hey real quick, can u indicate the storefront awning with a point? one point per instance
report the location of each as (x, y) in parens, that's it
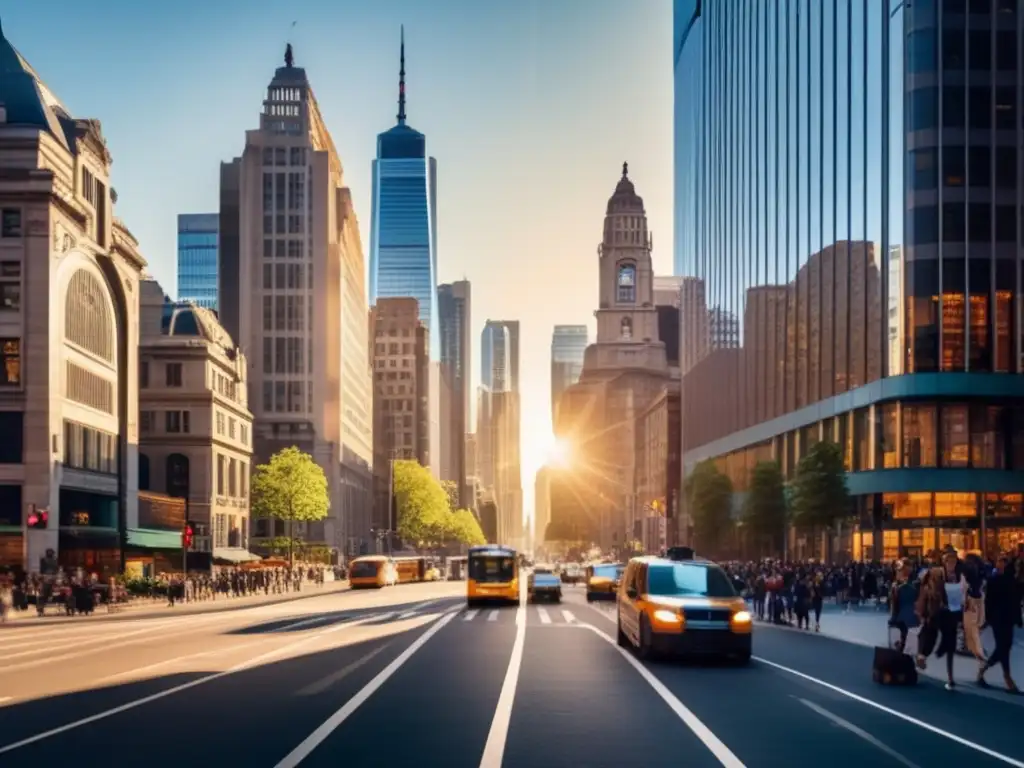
(149, 538)
(234, 555)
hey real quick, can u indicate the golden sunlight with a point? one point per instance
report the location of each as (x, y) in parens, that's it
(559, 453)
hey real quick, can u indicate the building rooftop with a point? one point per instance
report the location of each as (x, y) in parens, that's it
(625, 199)
(26, 98)
(186, 319)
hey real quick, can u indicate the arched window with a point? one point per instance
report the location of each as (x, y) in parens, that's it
(627, 328)
(626, 284)
(177, 476)
(143, 472)
(88, 321)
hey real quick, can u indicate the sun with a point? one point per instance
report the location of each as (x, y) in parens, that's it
(559, 453)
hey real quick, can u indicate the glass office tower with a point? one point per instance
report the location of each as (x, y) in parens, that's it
(568, 345)
(198, 238)
(848, 183)
(403, 227)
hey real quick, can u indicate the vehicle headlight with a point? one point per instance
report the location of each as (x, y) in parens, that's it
(741, 617)
(667, 616)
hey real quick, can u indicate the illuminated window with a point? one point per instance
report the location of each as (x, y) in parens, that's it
(12, 362)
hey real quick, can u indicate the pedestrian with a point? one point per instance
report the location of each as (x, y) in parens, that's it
(1002, 611)
(817, 598)
(951, 616)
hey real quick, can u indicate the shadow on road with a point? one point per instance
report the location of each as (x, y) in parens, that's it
(320, 619)
(253, 716)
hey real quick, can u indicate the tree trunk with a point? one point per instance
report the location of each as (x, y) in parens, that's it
(291, 545)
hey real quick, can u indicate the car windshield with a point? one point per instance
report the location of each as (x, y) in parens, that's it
(608, 571)
(685, 580)
(491, 568)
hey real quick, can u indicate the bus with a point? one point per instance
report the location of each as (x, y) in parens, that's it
(493, 573)
(372, 572)
(377, 571)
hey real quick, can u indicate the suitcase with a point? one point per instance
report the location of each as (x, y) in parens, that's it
(891, 665)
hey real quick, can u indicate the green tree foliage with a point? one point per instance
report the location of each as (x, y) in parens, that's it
(290, 487)
(451, 489)
(709, 494)
(764, 508)
(425, 512)
(819, 493)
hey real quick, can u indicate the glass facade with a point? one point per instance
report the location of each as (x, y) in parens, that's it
(403, 229)
(848, 178)
(496, 357)
(197, 258)
(568, 345)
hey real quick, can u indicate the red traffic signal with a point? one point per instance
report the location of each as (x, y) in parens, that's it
(186, 536)
(37, 518)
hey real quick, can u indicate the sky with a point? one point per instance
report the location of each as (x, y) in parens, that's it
(530, 108)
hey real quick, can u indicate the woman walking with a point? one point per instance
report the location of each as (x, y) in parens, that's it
(1002, 609)
(951, 617)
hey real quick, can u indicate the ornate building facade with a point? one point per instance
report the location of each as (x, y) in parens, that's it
(68, 333)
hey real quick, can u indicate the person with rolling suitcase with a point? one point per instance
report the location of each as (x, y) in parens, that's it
(891, 665)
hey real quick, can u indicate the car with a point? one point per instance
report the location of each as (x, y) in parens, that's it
(572, 573)
(602, 580)
(543, 584)
(682, 605)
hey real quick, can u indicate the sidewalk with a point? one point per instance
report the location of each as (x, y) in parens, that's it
(869, 627)
(141, 607)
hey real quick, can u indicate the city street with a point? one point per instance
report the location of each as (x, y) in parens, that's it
(407, 676)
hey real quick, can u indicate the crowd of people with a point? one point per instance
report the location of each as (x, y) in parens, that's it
(945, 597)
(245, 582)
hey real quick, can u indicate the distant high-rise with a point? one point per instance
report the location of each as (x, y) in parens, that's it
(568, 345)
(496, 357)
(454, 313)
(403, 228)
(292, 294)
(197, 258)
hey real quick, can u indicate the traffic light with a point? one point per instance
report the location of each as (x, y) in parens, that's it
(37, 518)
(186, 536)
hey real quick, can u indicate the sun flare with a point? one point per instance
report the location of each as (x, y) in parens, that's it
(559, 453)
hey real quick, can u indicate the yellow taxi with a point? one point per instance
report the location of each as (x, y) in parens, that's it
(682, 605)
(603, 580)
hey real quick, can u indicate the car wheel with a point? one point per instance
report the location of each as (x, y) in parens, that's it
(471, 603)
(645, 650)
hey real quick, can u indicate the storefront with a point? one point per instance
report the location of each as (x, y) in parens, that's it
(150, 552)
(922, 523)
(89, 536)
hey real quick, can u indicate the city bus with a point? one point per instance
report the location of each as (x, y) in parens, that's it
(493, 573)
(372, 572)
(414, 569)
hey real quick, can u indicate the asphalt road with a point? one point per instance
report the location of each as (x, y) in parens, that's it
(407, 676)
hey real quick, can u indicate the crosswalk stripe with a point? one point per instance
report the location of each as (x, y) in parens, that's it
(470, 615)
(569, 618)
(544, 617)
(493, 616)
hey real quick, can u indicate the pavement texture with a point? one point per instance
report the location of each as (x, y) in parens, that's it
(407, 676)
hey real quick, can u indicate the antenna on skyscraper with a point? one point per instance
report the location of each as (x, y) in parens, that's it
(401, 80)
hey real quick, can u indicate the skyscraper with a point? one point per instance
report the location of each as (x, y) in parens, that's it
(403, 227)
(197, 258)
(568, 345)
(496, 357)
(403, 239)
(454, 313)
(856, 205)
(292, 295)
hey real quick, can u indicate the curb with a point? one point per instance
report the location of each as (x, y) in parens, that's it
(131, 614)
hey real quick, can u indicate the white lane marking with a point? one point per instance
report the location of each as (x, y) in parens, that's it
(895, 713)
(859, 732)
(569, 618)
(304, 623)
(168, 692)
(317, 737)
(470, 615)
(493, 615)
(89, 641)
(322, 685)
(494, 749)
(544, 617)
(416, 609)
(175, 660)
(713, 743)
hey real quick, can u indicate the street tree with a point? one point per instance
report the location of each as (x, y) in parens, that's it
(465, 528)
(290, 487)
(451, 489)
(819, 496)
(421, 502)
(709, 493)
(764, 508)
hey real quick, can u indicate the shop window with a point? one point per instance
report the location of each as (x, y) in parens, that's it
(956, 505)
(1005, 505)
(955, 443)
(964, 540)
(909, 506)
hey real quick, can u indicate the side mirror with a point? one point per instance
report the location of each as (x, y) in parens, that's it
(631, 593)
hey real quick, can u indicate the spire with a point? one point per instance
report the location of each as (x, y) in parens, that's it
(401, 81)
(625, 170)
